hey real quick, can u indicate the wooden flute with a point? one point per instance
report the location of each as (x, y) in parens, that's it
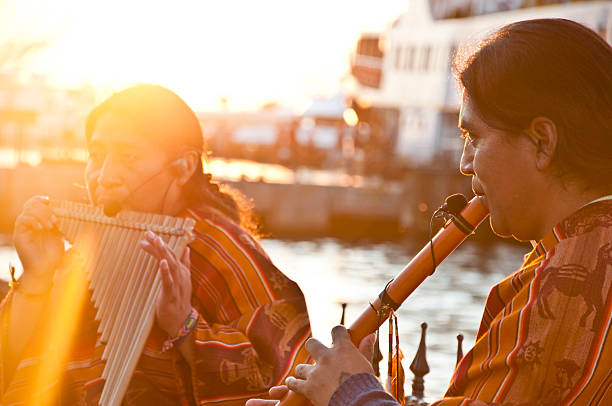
(455, 231)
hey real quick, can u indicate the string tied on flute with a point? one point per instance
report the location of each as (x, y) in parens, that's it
(376, 354)
(450, 211)
(387, 307)
(395, 371)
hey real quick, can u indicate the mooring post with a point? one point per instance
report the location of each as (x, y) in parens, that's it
(459, 347)
(419, 368)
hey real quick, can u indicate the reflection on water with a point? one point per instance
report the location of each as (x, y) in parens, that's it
(10, 157)
(451, 301)
(222, 169)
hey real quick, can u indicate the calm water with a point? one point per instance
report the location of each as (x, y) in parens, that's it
(451, 301)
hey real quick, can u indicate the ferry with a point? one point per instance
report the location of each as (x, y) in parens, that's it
(401, 84)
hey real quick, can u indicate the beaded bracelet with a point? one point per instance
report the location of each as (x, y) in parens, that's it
(186, 328)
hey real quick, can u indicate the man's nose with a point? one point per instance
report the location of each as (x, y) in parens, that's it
(109, 175)
(466, 166)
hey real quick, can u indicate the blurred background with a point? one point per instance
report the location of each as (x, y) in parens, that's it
(337, 118)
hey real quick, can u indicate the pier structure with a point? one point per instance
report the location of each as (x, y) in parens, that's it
(369, 208)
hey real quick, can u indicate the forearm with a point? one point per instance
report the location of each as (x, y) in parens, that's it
(4, 288)
(25, 306)
(364, 390)
(361, 389)
(461, 400)
(20, 317)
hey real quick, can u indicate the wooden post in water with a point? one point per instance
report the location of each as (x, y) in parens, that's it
(343, 311)
(419, 368)
(459, 347)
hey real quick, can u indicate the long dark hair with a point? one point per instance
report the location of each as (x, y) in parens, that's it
(554, 68)
(165, 119)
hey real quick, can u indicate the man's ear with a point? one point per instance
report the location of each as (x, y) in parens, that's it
(184, 167)
(543, 133)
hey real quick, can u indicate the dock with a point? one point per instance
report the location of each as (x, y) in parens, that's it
(353, 207)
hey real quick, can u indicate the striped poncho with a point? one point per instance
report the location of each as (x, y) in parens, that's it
(545, 337)
(251, 332)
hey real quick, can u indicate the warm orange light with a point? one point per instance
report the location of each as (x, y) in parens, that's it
(67, 303)
(350, 117)
(213, 60)
(364, 102)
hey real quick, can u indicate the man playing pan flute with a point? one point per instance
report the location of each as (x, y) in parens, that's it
(228, 323)
(537, 121)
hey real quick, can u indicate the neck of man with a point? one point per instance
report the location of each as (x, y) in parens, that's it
(559, 201)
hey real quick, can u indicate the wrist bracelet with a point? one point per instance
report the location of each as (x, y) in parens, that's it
(15, 284)
(186, 328)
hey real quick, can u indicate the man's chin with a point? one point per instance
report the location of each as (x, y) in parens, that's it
(499, 230)
(110, 206)
(503, 232)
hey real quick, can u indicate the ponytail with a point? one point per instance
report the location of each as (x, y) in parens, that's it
(202, 193)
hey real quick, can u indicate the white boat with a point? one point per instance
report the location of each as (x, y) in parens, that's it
(401, 82)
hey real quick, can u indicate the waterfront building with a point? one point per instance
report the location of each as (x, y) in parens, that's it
(39, 121)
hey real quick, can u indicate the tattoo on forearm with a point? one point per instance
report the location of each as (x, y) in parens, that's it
(343, 377)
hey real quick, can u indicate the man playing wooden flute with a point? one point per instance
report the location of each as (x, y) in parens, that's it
(229, 324)
(536, 116)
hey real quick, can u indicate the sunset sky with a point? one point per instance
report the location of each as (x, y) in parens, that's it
(250, 52)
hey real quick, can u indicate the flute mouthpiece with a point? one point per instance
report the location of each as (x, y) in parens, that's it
(455, 203)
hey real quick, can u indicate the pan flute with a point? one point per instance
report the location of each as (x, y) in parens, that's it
(123, 278)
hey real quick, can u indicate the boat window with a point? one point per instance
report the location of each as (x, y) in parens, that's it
(398, 57)
(425, 58)
(409, 58)
(443, 9)
(369, 46)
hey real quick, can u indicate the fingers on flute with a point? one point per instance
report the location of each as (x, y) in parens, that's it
(166, 278)
(366, 346)
(277, 392)
(261, 402)
(155, 246)
(166, 273)
(317, 350)
(303, 370)
(167, 253)
(39, 204)
(185, 258)
(37, 208)
(297, 385)
(340, 336)
(30, 222)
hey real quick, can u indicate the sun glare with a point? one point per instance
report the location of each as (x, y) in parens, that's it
(246, 52)
(350, 117)
(67, 303)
